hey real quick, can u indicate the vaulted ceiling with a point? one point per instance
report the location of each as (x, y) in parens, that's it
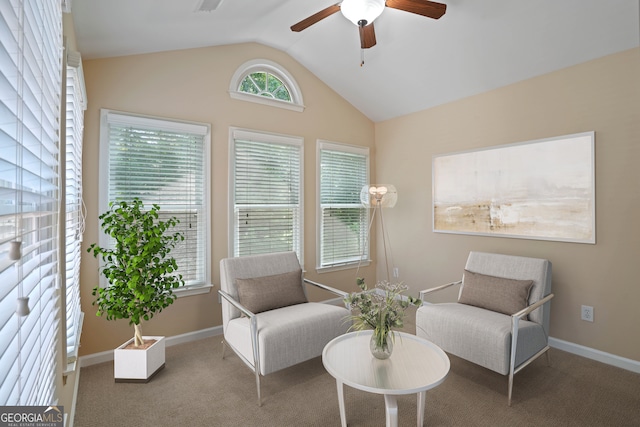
(417, 62)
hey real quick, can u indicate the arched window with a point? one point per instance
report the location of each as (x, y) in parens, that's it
(266, 82)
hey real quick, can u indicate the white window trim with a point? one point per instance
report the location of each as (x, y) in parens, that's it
(347, 148)
(240, 133)
(296, 104)
(112, 116)
(74, 72)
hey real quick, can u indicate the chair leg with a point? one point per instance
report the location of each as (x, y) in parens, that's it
(258, 387)
(510, 387)
(513, 371)
(256, 354)
(224, 347)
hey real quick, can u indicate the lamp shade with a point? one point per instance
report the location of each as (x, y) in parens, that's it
(362, 10)
(378, 195)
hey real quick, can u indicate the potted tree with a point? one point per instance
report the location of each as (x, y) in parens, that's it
(141, 277)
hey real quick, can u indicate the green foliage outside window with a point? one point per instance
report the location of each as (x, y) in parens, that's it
(262, 83)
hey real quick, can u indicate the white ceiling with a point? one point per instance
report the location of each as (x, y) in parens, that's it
(418, 62)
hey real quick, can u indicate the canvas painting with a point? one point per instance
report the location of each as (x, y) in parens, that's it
(543, 189)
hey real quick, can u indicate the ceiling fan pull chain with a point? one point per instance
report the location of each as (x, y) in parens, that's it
(361, 57)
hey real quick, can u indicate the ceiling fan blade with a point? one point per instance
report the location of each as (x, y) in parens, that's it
(367, 36)
(430, 9)
(307, 22)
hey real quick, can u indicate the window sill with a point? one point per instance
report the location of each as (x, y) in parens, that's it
(72, 357)
(188, 291)
(266, 101)
(345, 266)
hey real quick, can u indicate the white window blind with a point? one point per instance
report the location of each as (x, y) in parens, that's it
(73, 210)
(267, 193)
(162, 162)
(343, 171)
(30, 88)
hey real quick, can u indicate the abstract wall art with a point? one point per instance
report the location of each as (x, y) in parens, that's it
(542, 189)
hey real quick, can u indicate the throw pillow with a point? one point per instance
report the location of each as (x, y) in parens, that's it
(260, 294)
(507, 296)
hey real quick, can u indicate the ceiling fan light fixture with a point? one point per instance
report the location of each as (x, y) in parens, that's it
(362, 12)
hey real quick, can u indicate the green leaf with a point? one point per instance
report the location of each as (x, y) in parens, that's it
(138, 269)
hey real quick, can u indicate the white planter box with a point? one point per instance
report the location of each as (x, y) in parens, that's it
(138, 365)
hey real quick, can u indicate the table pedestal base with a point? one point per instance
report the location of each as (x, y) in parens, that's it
(390, 407)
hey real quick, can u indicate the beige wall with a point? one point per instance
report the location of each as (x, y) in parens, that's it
(193, 85)
(602, 95)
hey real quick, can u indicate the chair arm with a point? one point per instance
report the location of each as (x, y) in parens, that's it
(327, 288)
(437, 288)
(532, 307)
(236, 304)
(515, 325)
(253, 328)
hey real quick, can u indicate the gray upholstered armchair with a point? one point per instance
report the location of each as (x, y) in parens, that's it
(266, 317)
(501, 319)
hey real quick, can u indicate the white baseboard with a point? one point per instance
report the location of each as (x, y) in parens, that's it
(334, 301)
(71, 415)
(107, 356)
(194, 336)
(600, 356)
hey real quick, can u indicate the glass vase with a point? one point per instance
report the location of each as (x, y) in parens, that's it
(381, 346)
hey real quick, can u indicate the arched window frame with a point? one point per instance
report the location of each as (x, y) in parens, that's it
(264, 65)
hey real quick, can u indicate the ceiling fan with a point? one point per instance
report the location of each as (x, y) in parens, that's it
(364, 12)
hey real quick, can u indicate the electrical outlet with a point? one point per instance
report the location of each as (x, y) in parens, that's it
(587, 313)
(396, 272)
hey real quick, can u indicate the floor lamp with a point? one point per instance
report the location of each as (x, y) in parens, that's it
(376, 197)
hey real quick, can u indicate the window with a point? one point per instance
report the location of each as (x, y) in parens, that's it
(342, 228)
(73, 218)
(30, 99)
(266, 82)
(266, 192)
(165, 162)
